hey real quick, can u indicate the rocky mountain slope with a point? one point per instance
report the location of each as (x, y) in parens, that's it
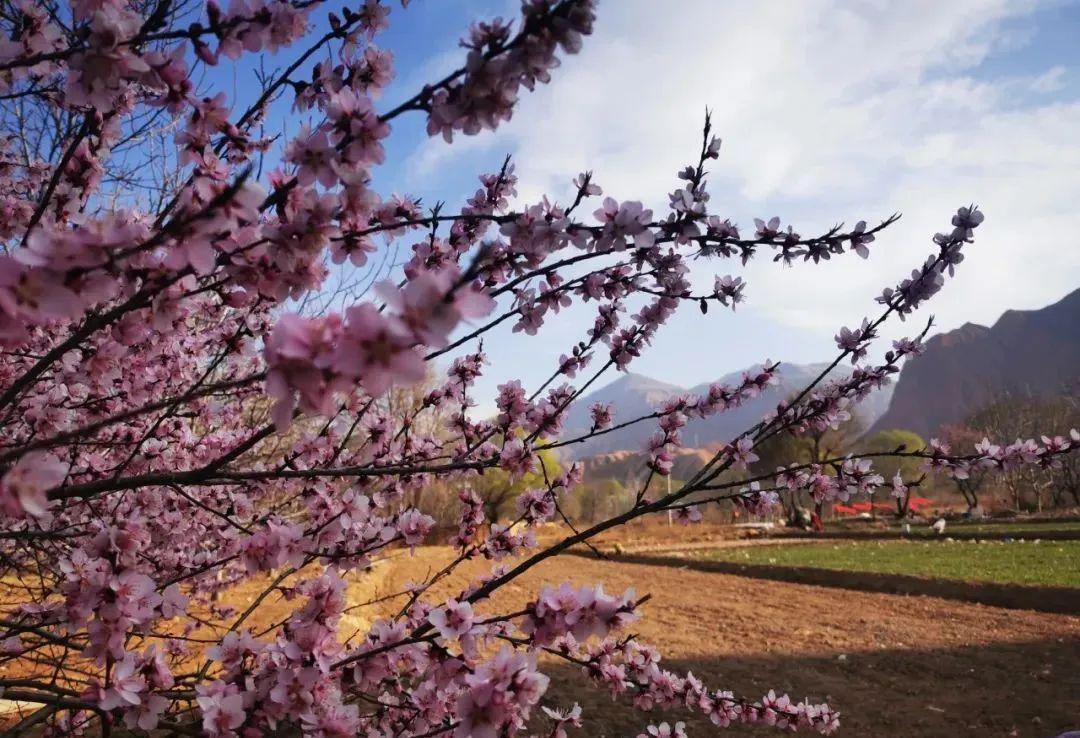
(1026, 353)
(634, 395)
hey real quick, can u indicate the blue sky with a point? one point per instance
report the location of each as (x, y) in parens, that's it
(830, 111)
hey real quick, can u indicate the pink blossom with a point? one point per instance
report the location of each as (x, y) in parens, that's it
(431, 305)
(859, 238)
(222, 709)
(314, 157)
(499, 695)
(23, 486)
(563, 719)
(147, 714)
(899, 489)
(376, 350)
(35, 294)
(125, 686)
(298, 352)
(664, 730)
(536, 505)
(601, 415)
(453, 620)
(517, 458)
(414, 526)
(742, 453)
(628, 220)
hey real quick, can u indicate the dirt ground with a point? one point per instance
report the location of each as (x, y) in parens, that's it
(893, 665)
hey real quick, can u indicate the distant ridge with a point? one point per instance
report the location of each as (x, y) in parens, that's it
(633, 395)
(1027, 353)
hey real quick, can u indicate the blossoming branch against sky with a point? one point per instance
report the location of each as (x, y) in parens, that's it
(853, 108)
(198, 461)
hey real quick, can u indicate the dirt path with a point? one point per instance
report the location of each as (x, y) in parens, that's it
(894, 665)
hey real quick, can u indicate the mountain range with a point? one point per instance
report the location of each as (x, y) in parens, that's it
(1026, 353)
(634, 395)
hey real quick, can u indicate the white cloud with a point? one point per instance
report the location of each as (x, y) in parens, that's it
(830, 111)
(1050, 81)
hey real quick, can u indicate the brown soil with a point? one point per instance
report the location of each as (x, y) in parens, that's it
(893, 665)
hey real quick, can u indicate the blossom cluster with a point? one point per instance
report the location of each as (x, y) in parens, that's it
(720, 398)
